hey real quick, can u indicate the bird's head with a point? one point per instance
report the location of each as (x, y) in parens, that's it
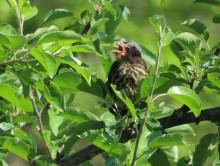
(127, 50)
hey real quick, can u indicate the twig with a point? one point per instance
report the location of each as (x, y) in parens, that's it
(212, 114)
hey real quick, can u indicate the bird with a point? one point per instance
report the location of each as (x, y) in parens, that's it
(126, 73)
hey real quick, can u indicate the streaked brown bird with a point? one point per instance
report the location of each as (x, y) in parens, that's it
(126, 73)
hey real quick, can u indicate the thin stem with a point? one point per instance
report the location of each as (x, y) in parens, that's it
(19, 17)
(157, 64)
(156, 74)
(36, 109)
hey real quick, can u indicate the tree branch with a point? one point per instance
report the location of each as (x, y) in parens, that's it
(212, 114)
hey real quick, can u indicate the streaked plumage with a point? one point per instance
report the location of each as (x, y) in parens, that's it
(126, 72)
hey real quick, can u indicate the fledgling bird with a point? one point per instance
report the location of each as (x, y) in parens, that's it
(126, 72)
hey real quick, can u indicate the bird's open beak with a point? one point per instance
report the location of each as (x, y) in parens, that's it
(121, 50)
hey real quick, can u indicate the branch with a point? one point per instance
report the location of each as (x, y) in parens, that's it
(212, 114)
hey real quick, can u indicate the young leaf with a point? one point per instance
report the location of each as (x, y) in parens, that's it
(205, 148)
(198, 26)
(57, 14)
(213, 79)
(126, 100)
(186, 96)
(158, 22)
(11, 94)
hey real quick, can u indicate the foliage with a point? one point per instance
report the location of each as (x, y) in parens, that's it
(41, 73)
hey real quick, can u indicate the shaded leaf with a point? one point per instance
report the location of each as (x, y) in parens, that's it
(212, 2)
(186, 96)
(216, 18)
(205, 148)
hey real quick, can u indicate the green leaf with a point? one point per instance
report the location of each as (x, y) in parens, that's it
(114, 148)
(50, 144)
(12, 3)
(23, 118)
(17, 42)
(184, 129)
(54, 121)
(216, 18)
(205, 148)
(6, 126)
(76, 64)
(125, 13)
(214, 80)
(77, 49)
(57, 14)
(158, 22)
(78, 115)
(8, 30)
(167, 38)
(21, 3)
(189, 41)
(46, 60)
(110, 9)
(17, 146)
(126, 100)
(39, 32)
(66, 37)
(68, 81)
(11, 94)
(186, 96)
(211, 2)
(198, 27)
(28, 12)
(167, 140)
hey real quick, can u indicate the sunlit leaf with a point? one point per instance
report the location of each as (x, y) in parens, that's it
(198, 26)
(46, 60)
(167, 140)
(28, 12)
(68, 81)
(189, 41)
(186, 96)
(158, 22)
(6, 126)
(54, 121)
(79, 115)
(17, 147)
(116, 149)
(11, 94)
(67, 37)
(122, 96)
(57, 14)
